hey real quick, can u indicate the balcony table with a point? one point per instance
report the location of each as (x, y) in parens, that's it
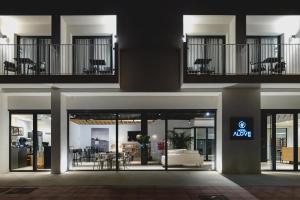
(98, 64)
(203, 62)
(24, 64)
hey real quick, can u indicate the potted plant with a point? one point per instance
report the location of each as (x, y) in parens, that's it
(179, 140)
(144, 140)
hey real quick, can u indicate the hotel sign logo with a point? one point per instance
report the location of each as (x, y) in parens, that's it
(241, 128)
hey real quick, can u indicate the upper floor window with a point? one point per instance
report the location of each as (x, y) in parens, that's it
(205, 54)
(93, 55)
(35, 52)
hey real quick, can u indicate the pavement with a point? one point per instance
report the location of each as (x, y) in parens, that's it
(145, 185)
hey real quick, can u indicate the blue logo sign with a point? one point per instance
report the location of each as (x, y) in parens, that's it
(241, 128)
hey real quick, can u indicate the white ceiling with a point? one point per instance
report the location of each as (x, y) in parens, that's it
(207, 19)
(27, 19)
(90, 19)
(271, 19)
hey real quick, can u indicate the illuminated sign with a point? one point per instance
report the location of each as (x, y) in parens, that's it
(241, 128)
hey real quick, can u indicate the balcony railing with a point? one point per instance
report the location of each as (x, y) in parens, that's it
(241, 59)
(101, 59)
(63, 59)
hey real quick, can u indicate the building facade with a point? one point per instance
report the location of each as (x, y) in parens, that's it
(150, 86)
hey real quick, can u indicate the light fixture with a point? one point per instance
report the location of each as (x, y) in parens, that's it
(154, 137)
(207, 114)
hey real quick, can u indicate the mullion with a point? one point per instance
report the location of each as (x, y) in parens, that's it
(35, 141)
(295, 128)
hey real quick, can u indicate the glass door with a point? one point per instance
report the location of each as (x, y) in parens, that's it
(21, 142)
(278, 147)
(43, 141)
(284, 144)
(30, 141)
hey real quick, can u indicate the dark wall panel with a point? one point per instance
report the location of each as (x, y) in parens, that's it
(149, 45)
(243, 156)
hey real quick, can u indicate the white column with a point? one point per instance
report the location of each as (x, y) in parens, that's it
(58, 132)
(4, 134)
(63, 136)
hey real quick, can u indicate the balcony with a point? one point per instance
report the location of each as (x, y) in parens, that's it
(214, 61)
(41, 62)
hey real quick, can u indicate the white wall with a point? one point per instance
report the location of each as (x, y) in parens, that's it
(29, 102)
(280, 102)
(142, 102)
(4, 135)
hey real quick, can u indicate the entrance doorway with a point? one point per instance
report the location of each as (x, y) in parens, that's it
(30, 140)
(280, 140)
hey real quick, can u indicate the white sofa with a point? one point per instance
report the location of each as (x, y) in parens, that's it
(183, 157)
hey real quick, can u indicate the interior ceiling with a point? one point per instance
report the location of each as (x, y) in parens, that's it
(270, 19)
(104, 122)
(90, 19)
(207, 19)
(132, 118)
(27, 19)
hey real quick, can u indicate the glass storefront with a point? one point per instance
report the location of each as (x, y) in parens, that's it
(141, 140)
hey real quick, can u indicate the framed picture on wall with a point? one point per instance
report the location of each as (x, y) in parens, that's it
(17, 131)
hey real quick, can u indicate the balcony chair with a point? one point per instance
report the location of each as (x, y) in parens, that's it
(39, 68)
(89, 70)
(257, 67)
(10, 67)
(279, 68)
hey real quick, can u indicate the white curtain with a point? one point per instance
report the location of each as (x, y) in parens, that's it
(99, 48)
(206, 48)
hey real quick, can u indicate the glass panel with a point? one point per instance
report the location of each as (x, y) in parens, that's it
(156, 131)
(43, 141)
(141, 141)
(191, 141)
(21, 142)
(130, 149)
(284, 142)
(93, 55)
(266, 161)
(92, 141)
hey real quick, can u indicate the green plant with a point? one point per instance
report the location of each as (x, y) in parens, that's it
(143, 139)
(179, 140)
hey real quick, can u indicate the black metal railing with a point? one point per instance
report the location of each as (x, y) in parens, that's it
(241, 59)
(51, 59)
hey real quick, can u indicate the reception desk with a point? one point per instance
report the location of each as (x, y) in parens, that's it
(288, 154)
